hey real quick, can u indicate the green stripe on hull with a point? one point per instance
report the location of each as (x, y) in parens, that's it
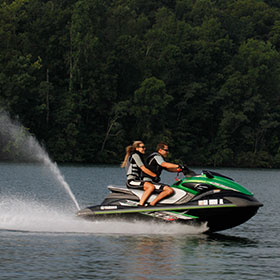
(183, 214)
(124, 211)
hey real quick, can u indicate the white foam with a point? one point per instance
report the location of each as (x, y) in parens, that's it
(32, 216)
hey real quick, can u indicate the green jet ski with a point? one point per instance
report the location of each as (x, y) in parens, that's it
(209, 197)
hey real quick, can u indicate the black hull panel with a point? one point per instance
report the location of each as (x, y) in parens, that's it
(228, 218)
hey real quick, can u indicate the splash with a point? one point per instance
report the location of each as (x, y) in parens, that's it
(33, 216)
(19, 143)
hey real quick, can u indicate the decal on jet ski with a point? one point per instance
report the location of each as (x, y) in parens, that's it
(171, 215)
(108, 207)
(211, 202)
(163, 215)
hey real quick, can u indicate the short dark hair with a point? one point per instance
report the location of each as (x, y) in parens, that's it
(161, 146)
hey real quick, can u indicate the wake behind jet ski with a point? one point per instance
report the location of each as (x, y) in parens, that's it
(208, 197)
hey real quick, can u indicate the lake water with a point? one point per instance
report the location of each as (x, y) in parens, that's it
(40, 237)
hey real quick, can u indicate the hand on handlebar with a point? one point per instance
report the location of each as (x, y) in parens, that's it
(182, 168)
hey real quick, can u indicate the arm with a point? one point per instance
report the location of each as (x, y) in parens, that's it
(142, 166)
(168, 166)
(171, 167)
(147, 171)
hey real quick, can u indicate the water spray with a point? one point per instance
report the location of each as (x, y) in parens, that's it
(30, 149)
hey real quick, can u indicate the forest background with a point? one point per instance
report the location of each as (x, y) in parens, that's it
(88, 77)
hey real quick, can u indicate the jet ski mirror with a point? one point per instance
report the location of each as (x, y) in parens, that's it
(208, 174)
(211, 174)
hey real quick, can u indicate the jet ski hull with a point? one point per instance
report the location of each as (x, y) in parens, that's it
(217, 217)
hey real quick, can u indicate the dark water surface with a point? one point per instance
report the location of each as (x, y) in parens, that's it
(40, 237)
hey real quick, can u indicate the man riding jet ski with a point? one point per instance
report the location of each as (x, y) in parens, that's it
(156, 163)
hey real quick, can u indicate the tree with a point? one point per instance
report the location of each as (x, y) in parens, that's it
(149, 103)
(248, 93)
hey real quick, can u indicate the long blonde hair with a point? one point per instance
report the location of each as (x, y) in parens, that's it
(129, 150)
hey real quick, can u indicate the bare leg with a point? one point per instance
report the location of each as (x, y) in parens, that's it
(148, 189)
(166, 192)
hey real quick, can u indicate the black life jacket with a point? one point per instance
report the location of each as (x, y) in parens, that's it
(152, 163)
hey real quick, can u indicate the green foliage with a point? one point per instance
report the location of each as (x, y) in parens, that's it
(89, 77)
(149, 103)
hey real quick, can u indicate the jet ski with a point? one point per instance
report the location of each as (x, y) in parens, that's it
(209, 197)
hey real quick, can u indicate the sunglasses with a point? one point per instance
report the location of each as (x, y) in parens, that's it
(143, 147)
(166, 150)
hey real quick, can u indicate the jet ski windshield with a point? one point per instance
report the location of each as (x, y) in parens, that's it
(213, 180)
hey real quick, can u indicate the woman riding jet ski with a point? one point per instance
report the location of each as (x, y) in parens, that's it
(197, 199)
